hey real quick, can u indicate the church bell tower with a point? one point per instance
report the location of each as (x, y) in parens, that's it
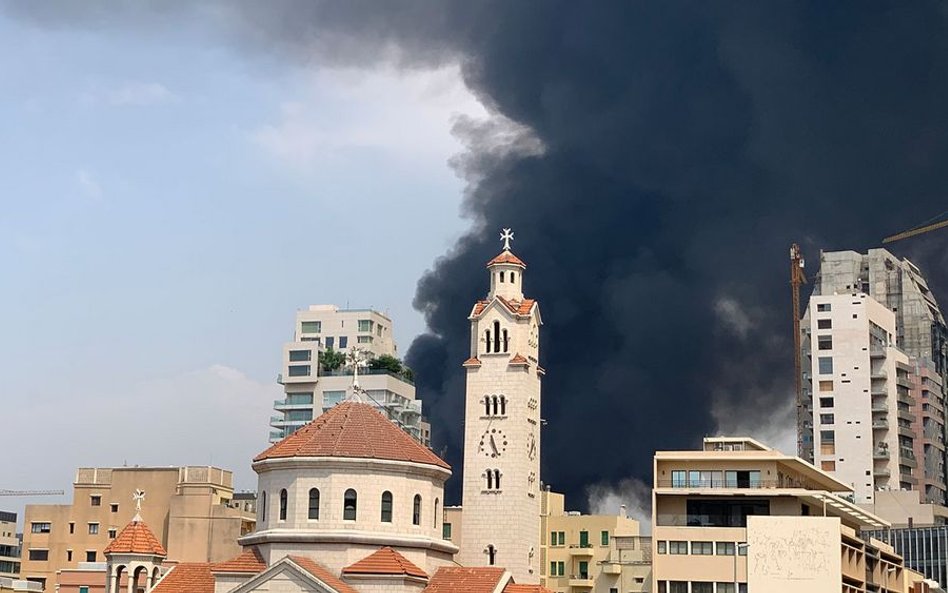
(501, 498)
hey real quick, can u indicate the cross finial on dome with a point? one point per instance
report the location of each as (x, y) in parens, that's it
(138, 497)
(506, 236)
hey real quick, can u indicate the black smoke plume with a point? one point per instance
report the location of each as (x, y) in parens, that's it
(685, 146)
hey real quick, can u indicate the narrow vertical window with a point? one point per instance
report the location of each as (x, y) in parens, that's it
(349, 502)
(263, 507)
(487, 340)
(512, 276)
(314, 503)
(416, 510)
(497, 479)
(435, 521)
(493, 400)
(506, 341)
(386, 507)
(496, 336)
(283, 504)
(501, 276)
(503, 405)
(491, 554)
(490, 479)
(487, 405)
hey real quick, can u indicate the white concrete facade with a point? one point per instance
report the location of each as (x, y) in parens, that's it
(862, 423)
(502, 439)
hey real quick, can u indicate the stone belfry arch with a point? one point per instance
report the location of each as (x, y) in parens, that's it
(501, 495)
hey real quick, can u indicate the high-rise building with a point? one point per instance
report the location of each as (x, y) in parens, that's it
(920, 334)
(9, 546)
(189, 507)
(311, 387)
(863, 414)
(501, 491)
(738, 516)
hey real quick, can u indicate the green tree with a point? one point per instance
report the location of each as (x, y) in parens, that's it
(331, 360)
(386, 362)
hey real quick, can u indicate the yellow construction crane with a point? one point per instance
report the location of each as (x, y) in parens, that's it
(30, 492)
(798, 277)
(921, 229)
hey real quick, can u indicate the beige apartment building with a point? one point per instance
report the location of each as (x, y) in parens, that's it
(310, 390)
(9, 546)
(189, 508)
(739, 516)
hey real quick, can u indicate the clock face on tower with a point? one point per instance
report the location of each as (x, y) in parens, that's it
(493, 443)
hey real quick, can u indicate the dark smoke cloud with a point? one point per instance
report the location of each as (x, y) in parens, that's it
(685, 145)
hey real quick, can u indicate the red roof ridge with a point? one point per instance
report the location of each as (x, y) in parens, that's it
(507, 257)
(136, 538)
(469, 579)
(385, 561)
(249, 560)
(320, 572)
(472, 362)
(353, 429)
(514, 588)
(519, 359)
(187, 577)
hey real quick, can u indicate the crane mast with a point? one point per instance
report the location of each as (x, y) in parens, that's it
(798, 277)
(30, 492)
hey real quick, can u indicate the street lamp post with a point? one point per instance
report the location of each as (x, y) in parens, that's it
(737, 552)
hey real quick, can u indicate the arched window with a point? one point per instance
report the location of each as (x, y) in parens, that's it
(501, 276)
(487, 340)
(490, 479)
(263, 506)
(506, 341)
(349, 502)
(496, 336)
(497, 479)
(487, 405)
(416, 511)
(283, 504)
(512, 276)
(435, 522)
(493, 401)
(314, 503)
(386, 507)
(491, 554)
(503, 405)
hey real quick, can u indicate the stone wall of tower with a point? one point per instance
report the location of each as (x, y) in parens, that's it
(508, 517)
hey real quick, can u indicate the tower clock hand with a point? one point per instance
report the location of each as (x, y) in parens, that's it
(493, 443)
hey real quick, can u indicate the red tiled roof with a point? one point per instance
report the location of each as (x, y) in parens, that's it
(507, 257)
(386, 561)
(353, 429)
(516, 307)
(512, 588)
(249, 561)
(472, 362)
(315, 569)
(136, 538)
(456, 579)
(518, 359)
(189, 577)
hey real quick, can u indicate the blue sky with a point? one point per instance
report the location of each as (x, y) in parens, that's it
(166, 207)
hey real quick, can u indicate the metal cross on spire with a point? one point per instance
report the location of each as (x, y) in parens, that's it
(507, 236)
(138, 497)
(355, 358)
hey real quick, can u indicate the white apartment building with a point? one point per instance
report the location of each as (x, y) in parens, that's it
(9, 546)
(310, 390)
(863, 413)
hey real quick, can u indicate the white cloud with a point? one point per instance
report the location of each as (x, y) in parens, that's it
(632, 493)
(89, 185)
(131, 94)
(216, 415)
(408, 115)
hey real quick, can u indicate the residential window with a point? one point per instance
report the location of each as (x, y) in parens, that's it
(677, 587)
(378, 330)
(827, 436)
(826, 402)
(83, 589)
(299, 370)
(295, 399)
(827, 419)
(330, 342)
(365, 325)
(343, 342)
(583, 539)
(349, 503)
(72, 527)
(826, 365)
(725, 548)
(445, 531)
(824, 324)
(824, 307)
(301, 355)
(299, 415)
(112, 533)
(90, 555)
(828, 466)
(583, 569)
(742, 479)
(679, 478)
(416, 510)
(68, 555)
(662, 547)
(95, 500)
(331, 398)
(702, 548)
(313, 503)
(40, 527)
(825, 342)
(604, 538)
(39, 555)
(113, 508)
(725, 587)
(826, 385)
(678, 548)
(283, 501)
(561, 568)
(93, 528)
(699, 587)
(365, 339)
(311, 327)
(386, 507)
